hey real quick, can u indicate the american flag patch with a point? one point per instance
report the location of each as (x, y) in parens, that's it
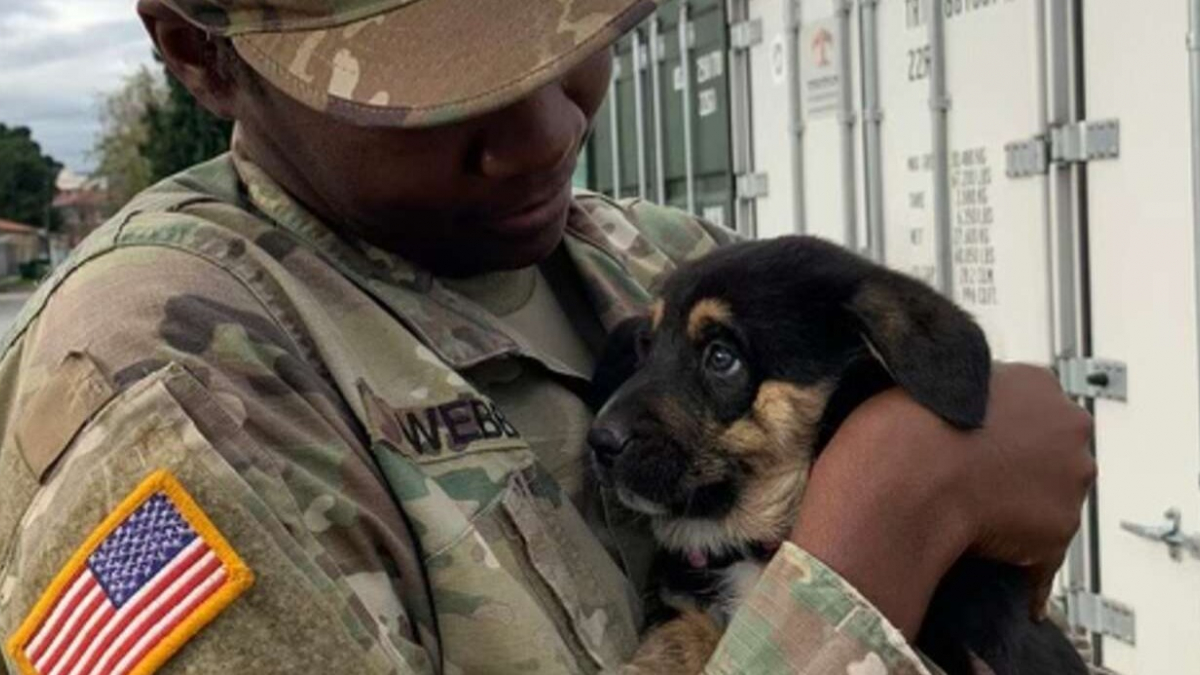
(148, 578)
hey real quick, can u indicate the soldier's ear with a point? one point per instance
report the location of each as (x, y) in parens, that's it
(931, 347)
(194, 57)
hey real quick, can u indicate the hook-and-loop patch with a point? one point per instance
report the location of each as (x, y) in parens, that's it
(146, 580)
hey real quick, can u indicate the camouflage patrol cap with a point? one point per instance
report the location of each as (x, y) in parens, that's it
(413, 63)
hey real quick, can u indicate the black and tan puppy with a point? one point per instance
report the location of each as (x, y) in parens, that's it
(719, 403)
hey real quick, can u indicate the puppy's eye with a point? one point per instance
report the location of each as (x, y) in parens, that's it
(721, 360)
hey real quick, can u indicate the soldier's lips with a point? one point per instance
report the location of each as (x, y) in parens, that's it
(534, 219)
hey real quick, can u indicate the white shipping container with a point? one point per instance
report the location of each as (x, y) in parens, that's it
(1034, 159)
(1142, 259)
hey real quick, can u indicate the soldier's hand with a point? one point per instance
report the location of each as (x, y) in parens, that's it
(899, 495)
(1027, 489)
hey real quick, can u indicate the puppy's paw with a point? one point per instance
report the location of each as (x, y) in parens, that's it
(680, 646)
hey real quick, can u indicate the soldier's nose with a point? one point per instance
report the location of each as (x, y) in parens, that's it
(536, 135)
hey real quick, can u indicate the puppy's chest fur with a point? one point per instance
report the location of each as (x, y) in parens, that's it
(716, 585)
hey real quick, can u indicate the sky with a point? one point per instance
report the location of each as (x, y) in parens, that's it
(57, 58)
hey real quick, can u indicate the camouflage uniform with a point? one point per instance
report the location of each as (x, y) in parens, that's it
(352, 427)
(310, 393)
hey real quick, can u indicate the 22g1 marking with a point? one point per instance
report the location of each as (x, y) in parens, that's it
(919, 61)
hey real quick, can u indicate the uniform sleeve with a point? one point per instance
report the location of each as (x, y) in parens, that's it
(678, 234)
(650, 240)
(804, 618)
(244, 415)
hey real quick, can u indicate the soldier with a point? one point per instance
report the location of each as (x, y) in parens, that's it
(315, 405)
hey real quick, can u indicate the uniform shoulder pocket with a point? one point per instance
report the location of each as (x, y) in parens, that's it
(55, 413)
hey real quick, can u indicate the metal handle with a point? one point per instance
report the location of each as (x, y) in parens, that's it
(1170, 534)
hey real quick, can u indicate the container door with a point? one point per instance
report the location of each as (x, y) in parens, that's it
(997, 226)
(1141, 241)
(906, 153)
(675, 95)
(774, 70)
(627, 98)
(663, 131)
(710, 107)
(693, 92)
(621, 150)
(828, 96)
(603, 149)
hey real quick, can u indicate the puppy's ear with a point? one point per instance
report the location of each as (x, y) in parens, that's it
(618, 361)
(933, 349)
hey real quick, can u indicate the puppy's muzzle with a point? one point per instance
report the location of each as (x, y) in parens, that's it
(608, 442)
(612, 431)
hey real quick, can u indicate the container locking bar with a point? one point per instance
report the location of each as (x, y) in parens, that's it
(753, 185)
(1171, 534)
(746, 34)
(1093, 378)
(1098, 614)
(1074, 143)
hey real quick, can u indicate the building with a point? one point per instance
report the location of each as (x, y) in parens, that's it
(19, 244)
(83, 204)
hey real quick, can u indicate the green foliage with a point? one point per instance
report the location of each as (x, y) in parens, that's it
(152, 128)
(26, 179)
(123, 132)
(180, 132)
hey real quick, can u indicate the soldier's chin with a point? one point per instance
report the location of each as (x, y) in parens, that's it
(515, 255)
(489, 254)
(509, 252)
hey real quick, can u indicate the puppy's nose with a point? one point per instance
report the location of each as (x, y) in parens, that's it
(608, 441)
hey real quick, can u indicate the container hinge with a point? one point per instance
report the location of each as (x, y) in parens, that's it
(1026, 158)
(1097, 614)
(746, 34)
(1085, 141)
(1066, 144)
(1093, 378)
(752, 186)
(641, 57)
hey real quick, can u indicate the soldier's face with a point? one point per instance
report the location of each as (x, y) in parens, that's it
(485, 194)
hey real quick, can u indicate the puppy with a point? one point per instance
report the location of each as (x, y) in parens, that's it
(717, 405)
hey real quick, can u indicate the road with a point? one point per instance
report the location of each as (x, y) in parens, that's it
(10, 306)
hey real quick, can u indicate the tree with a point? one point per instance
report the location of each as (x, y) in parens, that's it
(124, 130)
(180, 132)
(26, 179)
(152, 128)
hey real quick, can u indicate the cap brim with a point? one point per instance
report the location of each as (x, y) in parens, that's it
(437, 61)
